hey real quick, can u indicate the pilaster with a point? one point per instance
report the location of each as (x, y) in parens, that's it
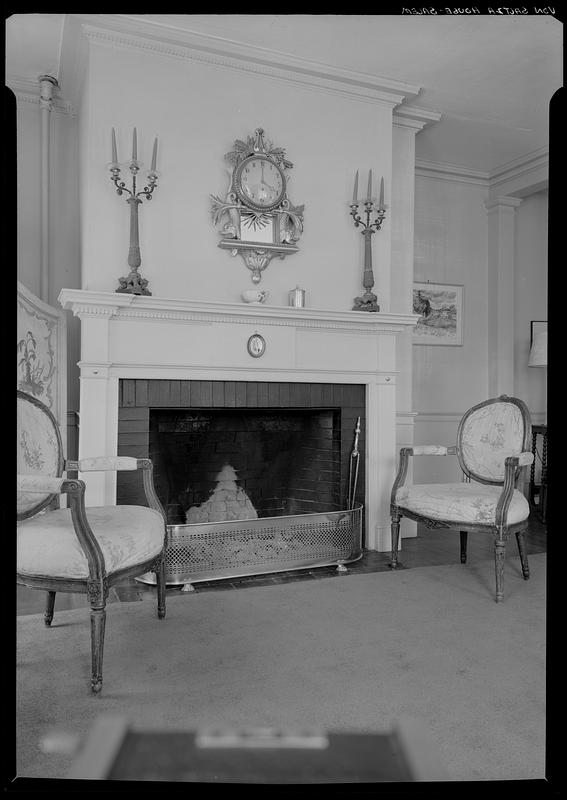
(501, 256)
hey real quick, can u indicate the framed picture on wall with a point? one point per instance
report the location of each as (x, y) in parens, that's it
(440, 306)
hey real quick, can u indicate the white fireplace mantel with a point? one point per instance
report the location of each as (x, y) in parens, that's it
(132, 336)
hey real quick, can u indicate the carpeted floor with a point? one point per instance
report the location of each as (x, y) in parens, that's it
(347, 653)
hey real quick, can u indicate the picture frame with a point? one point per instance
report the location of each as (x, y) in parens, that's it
(440, 306)
(537, 326)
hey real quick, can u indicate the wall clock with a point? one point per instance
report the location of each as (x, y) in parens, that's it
(256, 345)
(259, 183)
(256, 218)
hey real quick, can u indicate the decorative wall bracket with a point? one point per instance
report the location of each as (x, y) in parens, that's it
(256, 218)
(256, 257)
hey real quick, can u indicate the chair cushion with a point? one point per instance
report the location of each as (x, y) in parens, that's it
(460, 502)
(48, 545)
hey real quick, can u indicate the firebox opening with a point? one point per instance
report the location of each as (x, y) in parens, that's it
(215, 464)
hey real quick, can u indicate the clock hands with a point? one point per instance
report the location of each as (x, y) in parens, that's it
(262, 181)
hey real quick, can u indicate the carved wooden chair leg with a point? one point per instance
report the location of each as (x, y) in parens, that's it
(160, 584)
(395, 538)
(98, 622)
(499, 556)
(463, 535)
(97, 590)
(49, 606)
(523, 555)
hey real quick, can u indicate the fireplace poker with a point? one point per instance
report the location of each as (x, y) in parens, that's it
(353, 468)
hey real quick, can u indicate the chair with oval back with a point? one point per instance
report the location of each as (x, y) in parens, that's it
(77, 549)
(493, 448)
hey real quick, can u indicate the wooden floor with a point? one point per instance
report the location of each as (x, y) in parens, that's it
(429, 548)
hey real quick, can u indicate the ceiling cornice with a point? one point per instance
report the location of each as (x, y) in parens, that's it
(123, 32)
(450, 172)
(414, 118)
(520, 167)
(526, 170)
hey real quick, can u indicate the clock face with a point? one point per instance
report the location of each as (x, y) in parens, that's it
(256, 345)
(259, 183)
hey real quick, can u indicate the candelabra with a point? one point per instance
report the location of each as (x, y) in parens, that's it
(368, 301)
(134, 283)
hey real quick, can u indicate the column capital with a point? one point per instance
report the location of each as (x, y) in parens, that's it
(47, 85)
(502, 202)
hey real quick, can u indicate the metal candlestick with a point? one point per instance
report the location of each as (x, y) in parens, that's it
(134, 283)
(368, 301)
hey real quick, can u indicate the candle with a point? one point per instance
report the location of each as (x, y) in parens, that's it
(134, 146)
(381, 204)
(114, 153)
(369, 186)
(355, 192)
(154, 156)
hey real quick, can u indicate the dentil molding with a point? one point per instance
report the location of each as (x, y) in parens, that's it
(126, 307)
(124, 32)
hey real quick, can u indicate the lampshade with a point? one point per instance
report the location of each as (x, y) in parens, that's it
(538, 353)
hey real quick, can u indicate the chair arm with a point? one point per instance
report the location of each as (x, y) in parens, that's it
(513, 465)
(418, 450)
(523, 460)
(114, 463)
(431, 450)
(103, 464)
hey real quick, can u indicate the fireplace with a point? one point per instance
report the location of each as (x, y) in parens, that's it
(193, 355)
(283, 461)
(289, 443)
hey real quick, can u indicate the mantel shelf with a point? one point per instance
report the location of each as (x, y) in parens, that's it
(109, 304)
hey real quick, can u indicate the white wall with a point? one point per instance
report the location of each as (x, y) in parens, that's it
(29, 208)
(197, 111)
(530, 297)
(450, 247)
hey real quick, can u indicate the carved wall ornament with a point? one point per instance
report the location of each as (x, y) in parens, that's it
(256, 219)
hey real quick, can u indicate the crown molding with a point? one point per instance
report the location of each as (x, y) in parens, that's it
(28, 91)
(450, 172)
(520, 168)
(414, 118)
(131, 33)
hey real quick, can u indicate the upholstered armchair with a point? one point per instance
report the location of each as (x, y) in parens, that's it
(80, 549)
(493, 448)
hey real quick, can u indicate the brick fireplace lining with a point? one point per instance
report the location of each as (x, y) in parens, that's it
(138, 398)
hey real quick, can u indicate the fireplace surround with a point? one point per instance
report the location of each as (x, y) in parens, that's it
(127, 340)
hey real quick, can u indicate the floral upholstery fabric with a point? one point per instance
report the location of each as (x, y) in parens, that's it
(37, 450)
(429, 450)
(460, 502)
(48, 545)
(489, 435)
